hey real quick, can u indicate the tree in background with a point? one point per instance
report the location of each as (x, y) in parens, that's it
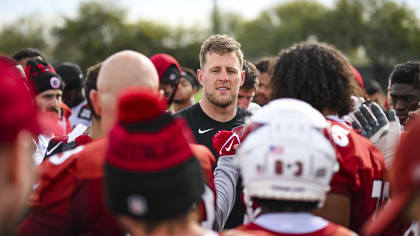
(25, 32)
(280, 27)
(100, 30)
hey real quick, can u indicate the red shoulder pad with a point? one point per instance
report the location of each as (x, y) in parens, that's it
(59, 172)
(56, 182)
(92, 160)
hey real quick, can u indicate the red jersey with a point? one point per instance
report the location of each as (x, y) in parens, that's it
(69, 199)
(361, 175)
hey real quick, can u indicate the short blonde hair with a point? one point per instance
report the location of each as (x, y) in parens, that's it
(220, 44)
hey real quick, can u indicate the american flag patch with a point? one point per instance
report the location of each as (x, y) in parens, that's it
(277, 149)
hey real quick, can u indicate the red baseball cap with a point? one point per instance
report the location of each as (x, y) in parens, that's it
(358, 77)
(405, 179)
(17, 109)
(162, 63)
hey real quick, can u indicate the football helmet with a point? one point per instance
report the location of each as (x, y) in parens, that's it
(288, 155)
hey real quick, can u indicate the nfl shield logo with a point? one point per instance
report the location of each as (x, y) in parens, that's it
(137, 205)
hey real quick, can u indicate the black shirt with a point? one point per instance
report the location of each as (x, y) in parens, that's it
(204, 127)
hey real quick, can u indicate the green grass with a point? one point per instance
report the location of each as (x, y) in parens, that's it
(197, 96)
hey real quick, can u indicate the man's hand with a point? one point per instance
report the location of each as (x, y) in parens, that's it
(371, 121)
(382, 128)
(226, 142)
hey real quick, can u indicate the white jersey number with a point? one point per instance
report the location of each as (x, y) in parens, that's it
(339, 135)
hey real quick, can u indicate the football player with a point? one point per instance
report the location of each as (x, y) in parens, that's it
(69, 196)
(18, 125)
(319, 74)
(150, 153)
(287, 165)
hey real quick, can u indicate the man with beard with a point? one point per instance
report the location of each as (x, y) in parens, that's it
(221, 75)
(69, 197)
(263, 93)
(405, 89)
(247, 91)
(48, 87)
(187, 88)
(81, 134)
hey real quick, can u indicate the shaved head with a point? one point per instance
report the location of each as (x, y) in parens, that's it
(119, 71)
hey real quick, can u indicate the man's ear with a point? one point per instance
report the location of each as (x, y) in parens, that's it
(242, 78)
(200, 76)
(94, 97)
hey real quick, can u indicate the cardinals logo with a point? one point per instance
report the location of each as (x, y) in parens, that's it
(55, 82)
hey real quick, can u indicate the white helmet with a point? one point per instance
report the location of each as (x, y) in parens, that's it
(288, 155)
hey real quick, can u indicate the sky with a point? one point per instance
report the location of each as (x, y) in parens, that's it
(174, 12)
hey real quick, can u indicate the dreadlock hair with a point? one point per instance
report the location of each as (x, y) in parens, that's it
(316, 73)
(406, 73)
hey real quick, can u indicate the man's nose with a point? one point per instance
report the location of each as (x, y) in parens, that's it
(224, 75)
(56, 102)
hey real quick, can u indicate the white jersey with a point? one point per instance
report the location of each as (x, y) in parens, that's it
(41, 148)
(81, 114)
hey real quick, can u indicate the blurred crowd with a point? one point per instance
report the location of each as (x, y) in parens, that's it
(297, 144)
